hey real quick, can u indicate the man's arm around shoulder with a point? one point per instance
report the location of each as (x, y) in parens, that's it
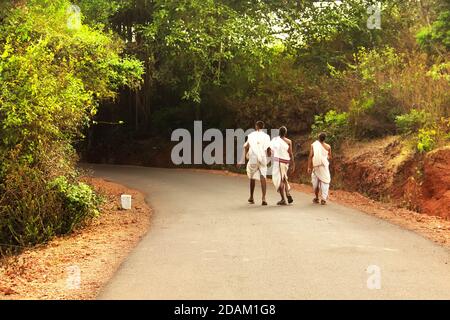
(329, 151)
(310, 158)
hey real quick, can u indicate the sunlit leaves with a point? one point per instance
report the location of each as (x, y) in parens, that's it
(201, 39)
(52, 76)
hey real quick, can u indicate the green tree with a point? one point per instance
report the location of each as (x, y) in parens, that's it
(53, 73)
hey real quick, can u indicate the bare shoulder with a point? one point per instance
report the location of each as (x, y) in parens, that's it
(327, 146)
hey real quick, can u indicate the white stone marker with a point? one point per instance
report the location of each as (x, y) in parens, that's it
(125, 200)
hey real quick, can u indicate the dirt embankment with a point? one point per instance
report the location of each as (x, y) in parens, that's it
(388, 170)
(435, 188)
(78, 265)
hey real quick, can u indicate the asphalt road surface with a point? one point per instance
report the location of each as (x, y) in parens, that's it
(206, 242)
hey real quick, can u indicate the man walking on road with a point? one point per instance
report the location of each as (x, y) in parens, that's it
(283, 161)
(256, 150)
(319, 168)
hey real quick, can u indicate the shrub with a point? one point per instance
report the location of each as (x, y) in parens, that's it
(335, 124)
(27, 210)
(33, 211)
(372, 116)
(413, 121)
(79, 201)
(426, 140)
(436, 37)
(385, 85)
(445, 127)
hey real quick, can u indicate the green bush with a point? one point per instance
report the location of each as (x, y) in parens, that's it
(27, 210)
(373, 116)
(445, 128)
(79, 201)
(33, 211)
(426, 140)
(334, 124)
(413, 121)
(436, 37)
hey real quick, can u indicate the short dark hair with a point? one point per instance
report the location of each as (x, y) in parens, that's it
(283, 131)
(322, 136)
(259, 124)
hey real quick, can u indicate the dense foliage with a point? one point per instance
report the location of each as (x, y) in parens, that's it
(53, 73)
(229, 62)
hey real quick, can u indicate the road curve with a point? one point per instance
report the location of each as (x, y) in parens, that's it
(206, 242)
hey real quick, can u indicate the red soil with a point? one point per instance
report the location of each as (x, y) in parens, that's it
(435, 189)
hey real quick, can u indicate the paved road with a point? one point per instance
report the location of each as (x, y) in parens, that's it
(206, 242)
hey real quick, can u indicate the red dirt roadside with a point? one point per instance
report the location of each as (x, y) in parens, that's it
(97, 250)
(436, 186)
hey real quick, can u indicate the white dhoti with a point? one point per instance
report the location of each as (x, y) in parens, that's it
(279, 173)
(281, 160)
(255, 170)
(320, 176)
(258, 143)
(323, 186)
